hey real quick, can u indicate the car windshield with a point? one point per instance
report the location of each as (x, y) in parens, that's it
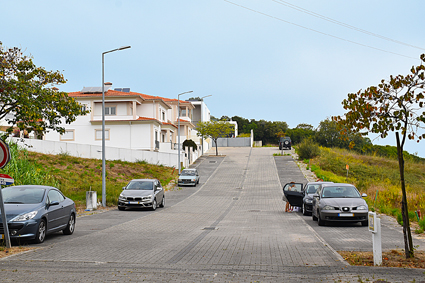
(26, 195)
(311, 189)
(140, 185)
(188, 173)
(340, 192)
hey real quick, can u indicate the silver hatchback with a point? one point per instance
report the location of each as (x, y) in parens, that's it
(189, 177)
(339, 203)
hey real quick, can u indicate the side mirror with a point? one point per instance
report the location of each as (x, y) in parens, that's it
(316, 196)
(364, 195)
(53, 203)
(123, 188)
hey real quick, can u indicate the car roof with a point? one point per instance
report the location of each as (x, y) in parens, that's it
(319, 182)
(147, 180)
(32, 186)
(190, 169)
(337, 184)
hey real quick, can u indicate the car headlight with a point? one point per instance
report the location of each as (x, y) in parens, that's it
(328, 207)
(24, 217)
(149, 197)
(309, 201)
(362, 207)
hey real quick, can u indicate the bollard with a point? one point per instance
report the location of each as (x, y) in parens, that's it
(375, 228)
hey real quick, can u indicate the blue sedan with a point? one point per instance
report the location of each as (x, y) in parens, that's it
(34, 211)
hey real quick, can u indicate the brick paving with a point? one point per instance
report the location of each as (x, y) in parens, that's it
(231, 228)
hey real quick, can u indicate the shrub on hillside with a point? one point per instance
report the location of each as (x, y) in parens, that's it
(308, 149)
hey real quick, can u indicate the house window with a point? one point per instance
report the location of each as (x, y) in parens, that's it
(183, 113)
(83, 107)
(112, 110)
(98, 134)
(67, 136)
(163, 116)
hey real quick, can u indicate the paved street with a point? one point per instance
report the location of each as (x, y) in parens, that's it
(231, 227)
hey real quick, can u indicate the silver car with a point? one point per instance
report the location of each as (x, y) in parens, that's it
(189, 177)
(142, 193)
(341, 203)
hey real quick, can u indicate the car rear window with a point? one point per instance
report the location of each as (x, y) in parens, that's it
(23, 195)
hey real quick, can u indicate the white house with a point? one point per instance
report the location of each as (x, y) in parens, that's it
(132, 120)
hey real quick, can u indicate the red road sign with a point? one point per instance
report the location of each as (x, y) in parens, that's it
(4, 154)
(6, 180)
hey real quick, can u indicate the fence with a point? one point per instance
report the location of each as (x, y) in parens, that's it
(111, 153)
(233, 142)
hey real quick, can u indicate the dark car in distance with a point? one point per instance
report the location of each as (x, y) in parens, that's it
(285, 142)
(141, 193)
(34, 211)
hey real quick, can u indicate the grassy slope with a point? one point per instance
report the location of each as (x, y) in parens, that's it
(377, 176)
(74, 176)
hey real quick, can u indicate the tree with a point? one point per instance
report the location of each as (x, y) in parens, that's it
(395, 105)
(28, 98)
(214, 130)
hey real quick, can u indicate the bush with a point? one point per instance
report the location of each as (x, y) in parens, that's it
(308, 149)
(422, 223)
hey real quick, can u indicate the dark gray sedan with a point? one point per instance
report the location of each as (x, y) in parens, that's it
(340, 203)
(34, 211)
(142, 193)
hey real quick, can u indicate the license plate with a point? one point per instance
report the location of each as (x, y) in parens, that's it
(133, 202)
(345, 214)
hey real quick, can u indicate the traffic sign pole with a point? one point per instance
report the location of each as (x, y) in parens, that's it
(4, 180)
(4, 221)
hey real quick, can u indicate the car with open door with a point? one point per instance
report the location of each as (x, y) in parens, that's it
(294, 194)
(309, 190)
(339, 202)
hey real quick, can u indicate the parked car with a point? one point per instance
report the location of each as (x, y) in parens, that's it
(188, 177)
(340, 203)
(142, 193)
(309, 190)
(285, 142)
(34, 211)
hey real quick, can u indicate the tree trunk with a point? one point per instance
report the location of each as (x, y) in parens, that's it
(408, 245)
(216, 148)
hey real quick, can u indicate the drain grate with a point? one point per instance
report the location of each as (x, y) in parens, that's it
(235, 198)
(210, 228)
(212, 161)
(254, 210)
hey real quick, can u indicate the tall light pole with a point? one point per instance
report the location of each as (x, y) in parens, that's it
(103, 123)
(202, 116)
(178, 128)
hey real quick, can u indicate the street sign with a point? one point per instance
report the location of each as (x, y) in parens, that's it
(6, 180)
(4, 154)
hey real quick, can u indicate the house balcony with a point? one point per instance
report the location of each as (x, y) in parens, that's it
(98, 118)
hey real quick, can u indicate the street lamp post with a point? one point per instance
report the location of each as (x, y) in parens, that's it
(103, 124)
(178, 128)
(202, 116)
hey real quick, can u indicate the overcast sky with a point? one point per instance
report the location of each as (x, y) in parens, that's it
(291, 61)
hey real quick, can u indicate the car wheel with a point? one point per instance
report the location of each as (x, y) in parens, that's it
(320, 221)
(71, 225)
(154, 204)
(162, 202)
(121, 208)
(40, 235)
(365, 223)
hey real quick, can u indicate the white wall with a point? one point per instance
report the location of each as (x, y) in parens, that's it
(93, 151)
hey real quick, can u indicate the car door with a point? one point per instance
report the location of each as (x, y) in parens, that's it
(159, 192)
(55, 210)
(294, 194)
